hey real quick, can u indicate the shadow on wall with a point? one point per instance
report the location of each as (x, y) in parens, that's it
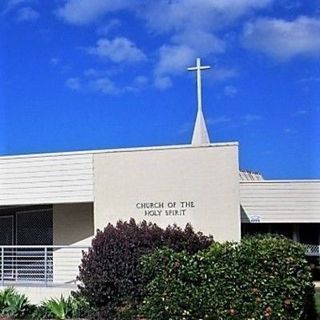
(73, 224)
(243, 215)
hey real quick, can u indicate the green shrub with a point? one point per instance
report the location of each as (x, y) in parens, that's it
(111, 280)
(62, 308)
(59, 308)
(261, 278)
(14, 304)
(40, 312)
(4, 296)
(317, 301)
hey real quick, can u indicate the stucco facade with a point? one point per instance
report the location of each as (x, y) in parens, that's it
(166, 185)
(197, 185)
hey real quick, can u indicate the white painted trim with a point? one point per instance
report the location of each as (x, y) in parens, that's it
(74, 153)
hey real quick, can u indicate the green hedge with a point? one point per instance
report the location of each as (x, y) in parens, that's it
(264, 277)
(109, 273)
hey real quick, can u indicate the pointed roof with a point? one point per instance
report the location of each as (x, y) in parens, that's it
(200, 133)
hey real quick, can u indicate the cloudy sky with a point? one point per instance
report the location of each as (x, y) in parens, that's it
(93, 74)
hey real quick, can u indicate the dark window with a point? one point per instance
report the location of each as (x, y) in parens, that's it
(309, 233)
(34, 227)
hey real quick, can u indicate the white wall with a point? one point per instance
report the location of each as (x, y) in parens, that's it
(46, 179)
(72, 225)
(281, 201)
(36, 295)
(205, 177)
(117, 180)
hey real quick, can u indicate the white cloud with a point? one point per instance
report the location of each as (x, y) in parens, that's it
(104, 85)
(91, 72)
(175, 14)
(193, 25)
(174, 59)
(189, 15)
(54, 61)
(162, 82)
(193, 28)
(283, 39)
(73, 83)
(117, 50)
(108, 27)
(221, 74)
(202, 41)
(301, 113)
(27, 14)
(249, 118)
(310, 79)
(140, 81)
(218, 120)
(289, 131)
(230, 91)
(13, 4)
(100, 73)
(95, 82)
(80, 12)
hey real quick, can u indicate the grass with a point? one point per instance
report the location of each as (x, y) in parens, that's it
(317, 298)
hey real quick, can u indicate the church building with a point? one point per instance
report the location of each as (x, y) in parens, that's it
(52, 204)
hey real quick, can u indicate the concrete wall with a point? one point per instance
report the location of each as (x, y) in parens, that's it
(72, 225)
(199, 185)
(282, 201)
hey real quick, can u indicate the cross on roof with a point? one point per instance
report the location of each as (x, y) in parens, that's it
(199, 68)
(200, 132)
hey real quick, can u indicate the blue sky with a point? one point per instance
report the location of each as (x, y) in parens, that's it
(95, 74)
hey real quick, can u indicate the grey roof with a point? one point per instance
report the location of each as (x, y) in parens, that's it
(246, 175)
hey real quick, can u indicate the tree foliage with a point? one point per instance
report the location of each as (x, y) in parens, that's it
(260, 278)
(109, 273)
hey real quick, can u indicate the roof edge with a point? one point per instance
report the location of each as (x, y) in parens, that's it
(84, 152)
(280, 181)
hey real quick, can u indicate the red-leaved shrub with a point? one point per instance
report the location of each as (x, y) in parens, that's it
(109, 273)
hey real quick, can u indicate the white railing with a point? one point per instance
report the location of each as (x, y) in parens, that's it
(53, 265)
(312, 250)
(40, 265)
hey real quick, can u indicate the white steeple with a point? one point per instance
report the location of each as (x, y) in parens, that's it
(200, 133)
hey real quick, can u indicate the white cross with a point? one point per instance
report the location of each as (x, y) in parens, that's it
(198, 68)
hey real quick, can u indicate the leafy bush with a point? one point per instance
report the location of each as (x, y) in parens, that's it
(4, 296)
(110, 276)
(63, 308)
(261, 278)
(59, 308)
(14, 304)
(40, 312)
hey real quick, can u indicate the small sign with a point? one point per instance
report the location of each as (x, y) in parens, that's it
(255, 219)
(171, 208)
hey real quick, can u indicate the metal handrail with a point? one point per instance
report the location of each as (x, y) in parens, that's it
(46, 246)
(44, 265)
(312, 250)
